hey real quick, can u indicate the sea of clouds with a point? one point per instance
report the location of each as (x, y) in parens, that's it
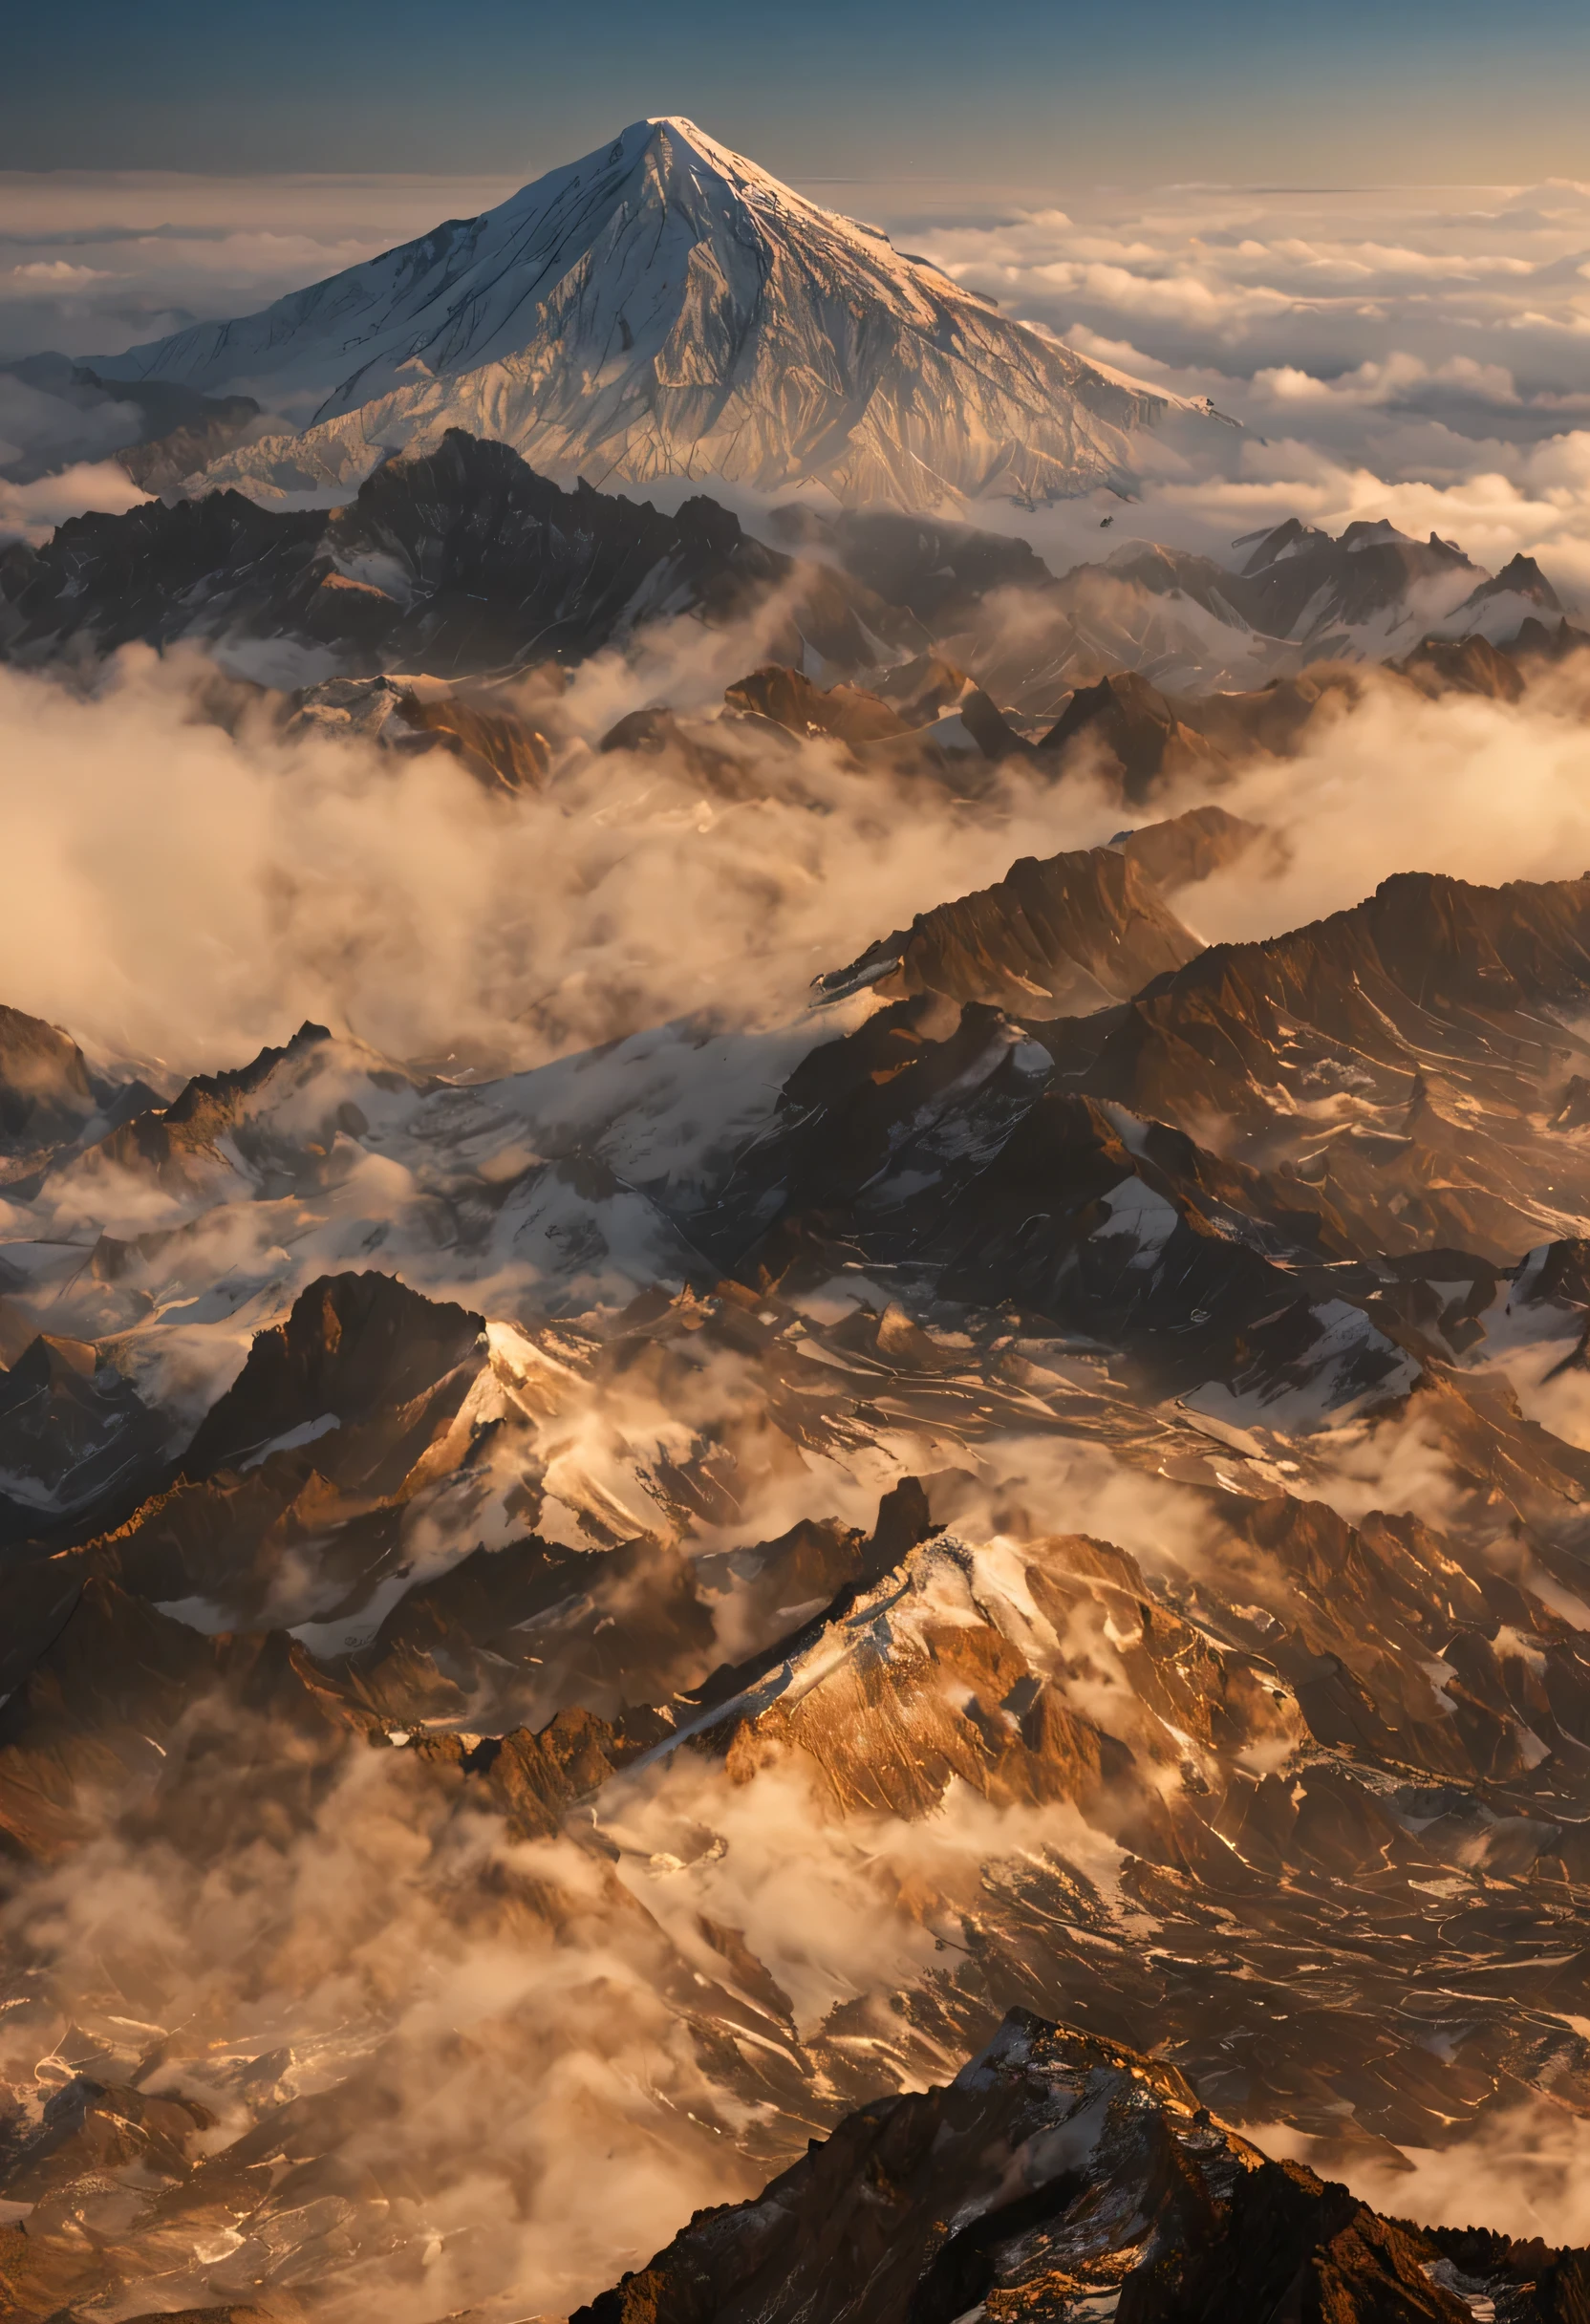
(1413, 354)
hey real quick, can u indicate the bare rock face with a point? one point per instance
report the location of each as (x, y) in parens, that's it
(1052, 939)
(499, 748)
(848, 713)
(1189, 846)
(1127, 725)
(1061, 2176)
(45, 1096)
(1353, 1003)
(357, 1349)
(73, 1431)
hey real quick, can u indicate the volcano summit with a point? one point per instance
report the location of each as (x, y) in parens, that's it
(661, 308)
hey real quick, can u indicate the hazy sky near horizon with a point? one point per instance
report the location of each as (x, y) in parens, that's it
(1045, 92)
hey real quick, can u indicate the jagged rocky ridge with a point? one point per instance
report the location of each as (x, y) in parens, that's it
(1287, 599)
(456, 560)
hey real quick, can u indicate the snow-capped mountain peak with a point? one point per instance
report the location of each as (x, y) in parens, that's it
(663, 306)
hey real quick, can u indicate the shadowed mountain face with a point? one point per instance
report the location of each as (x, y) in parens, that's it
(1197, 628)
(457, 560)
(45, 1096)
(1440, 1017)
(461, 559)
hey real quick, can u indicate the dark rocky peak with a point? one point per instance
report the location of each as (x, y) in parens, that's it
(1467, 665)
(1189, 846)
(72, 1430)
(1537, 640)
(1394, 1054)
(1057, 2173)
(1356, 578)
(708, 523)
(1288, 539)
(179, 1147)
(1521, 577)
(499, 567)
(1060, 936)
(1133, 728)
(1436, 940)
(473, 512)
(1440, 938)
(158, 572)
(849, 714)
(209, 1101)
(1379, 532)
(45, 1094)
(1500, 606)
(354, 1348)
(458, 561)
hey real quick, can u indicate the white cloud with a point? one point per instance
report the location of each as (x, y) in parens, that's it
(31, 511)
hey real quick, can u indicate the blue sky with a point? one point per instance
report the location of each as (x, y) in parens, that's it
(1035, 92)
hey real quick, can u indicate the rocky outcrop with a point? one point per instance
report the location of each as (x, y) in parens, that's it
(1126, 727)
(356, 1351)
(1389, 1023)
(1052, 939)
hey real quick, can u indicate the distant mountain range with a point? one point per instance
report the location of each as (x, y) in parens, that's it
(462, 562)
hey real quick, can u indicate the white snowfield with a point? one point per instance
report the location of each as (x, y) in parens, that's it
(664, 308)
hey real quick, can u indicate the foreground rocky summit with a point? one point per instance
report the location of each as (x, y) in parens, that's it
(1057, 2178)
